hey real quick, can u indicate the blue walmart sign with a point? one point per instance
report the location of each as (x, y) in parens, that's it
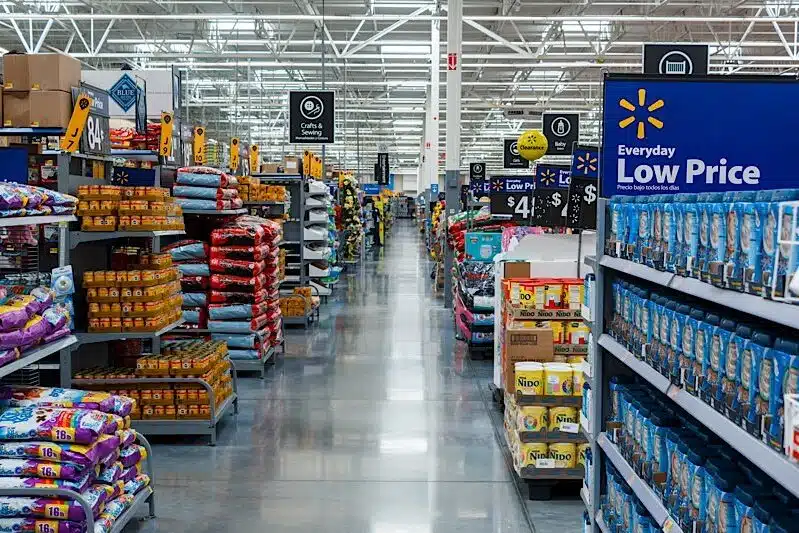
(552, 176)
(512, 183)
(720, 133)
(123, 92)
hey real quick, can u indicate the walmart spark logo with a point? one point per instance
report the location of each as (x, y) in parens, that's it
(547, 177)
(587, 163)
(654, 106)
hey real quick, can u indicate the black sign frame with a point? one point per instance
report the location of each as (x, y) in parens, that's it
(562, 130)
(477, 171)
(511, 157)
(312, 117)
(550, 196)
(695, 59)
(96, 138)
(382, 168)
(583, 188)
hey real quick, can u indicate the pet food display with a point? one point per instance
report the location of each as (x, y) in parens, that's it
(18, 200)
(349, 220)
(145, 297)
(113, 207)
(206, 189)
(194, 358)
(252, 190)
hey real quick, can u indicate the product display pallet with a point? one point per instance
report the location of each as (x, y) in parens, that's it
(145, 497)
(255, 365)
(177, 426)
(541, 481)
(90, 338)
(298, 320)
(78, 237)
(37, 354)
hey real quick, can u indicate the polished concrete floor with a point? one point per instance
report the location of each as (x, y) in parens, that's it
(374, 422)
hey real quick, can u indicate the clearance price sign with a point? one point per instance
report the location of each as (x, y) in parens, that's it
(698, 134)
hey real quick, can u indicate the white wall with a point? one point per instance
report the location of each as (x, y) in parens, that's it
(159, 89)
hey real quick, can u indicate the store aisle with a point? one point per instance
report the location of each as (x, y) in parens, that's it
(370, 424)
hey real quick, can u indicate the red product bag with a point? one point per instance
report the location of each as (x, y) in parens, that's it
(242, 253)
(224, 297)
(194, 283)
(223, 282)
(235, 267)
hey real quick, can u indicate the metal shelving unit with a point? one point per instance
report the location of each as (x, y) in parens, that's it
(38, 220)
(91, 338)
(241, 211)
(145, 496)
(178, 426)
(255, 365)
(619, 359)
(37, 354)
(78, 237)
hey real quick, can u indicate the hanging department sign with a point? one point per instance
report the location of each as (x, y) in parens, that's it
(562, 130)
(381, 168)
(312, 117)
(684, 135)
(676, 59)
(512, 158)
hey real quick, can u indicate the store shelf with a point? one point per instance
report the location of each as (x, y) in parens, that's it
(272, 176)
(35, 132)
(91, 338)
(531, 473)
(585, 427)
(78, 237)
(771, 462)
(265, 203)
(655, 378)
(37, 354)
(241, 211)
(187, 426)
(33, 221)
(134, 153)
(777, 312)
(254, 365)
(647, 496)
(550, 436)
(590, 260)
(78, 155)
(549, 401)
(584, 495)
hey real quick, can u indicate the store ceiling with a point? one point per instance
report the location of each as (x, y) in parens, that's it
(242, 57)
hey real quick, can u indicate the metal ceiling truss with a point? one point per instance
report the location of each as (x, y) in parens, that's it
(245, 55)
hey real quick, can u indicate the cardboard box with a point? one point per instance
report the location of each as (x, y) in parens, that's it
(292, 165)
(46, 109)
(41, 72)
(524, 344)
(271, 168)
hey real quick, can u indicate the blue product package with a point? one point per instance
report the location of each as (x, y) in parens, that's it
(679, 318)
(783, 381)
(203, 193)
(194, 299)
(687, 357)
(653, 310)
(230, 312)
(188, 251)
(633, 210)
(655, 252)
(745, 496)
(751, 242)
(750, 380)
(230, 326)
(205, 180)
(661, 350)
(733, 257)
(646, 318)
(712, 226)
(704, 340)
(197, 204)
(774, 271)
(764, 384)
(644, 236)
(671, 492)
(679, 205)
(194, 269)
(482, 246)
(731, 378)
(666, 327)
(670, 242)
(718, 359)
(244, 355)
(241, 341)
(697, 495)
(718, 239)
(618, 224)
(690, 259)
(704, 215)
(191, 316)
(760, 518)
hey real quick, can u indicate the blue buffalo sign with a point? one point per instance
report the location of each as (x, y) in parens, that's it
(124, 92)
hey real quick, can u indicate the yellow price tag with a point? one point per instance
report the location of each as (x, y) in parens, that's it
(255, 159)
(234, 154)
(307, 158)
(80, 112)
(199, 145)
(165, 143)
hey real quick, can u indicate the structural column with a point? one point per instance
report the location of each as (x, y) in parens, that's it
(431, 130)
(453, 159)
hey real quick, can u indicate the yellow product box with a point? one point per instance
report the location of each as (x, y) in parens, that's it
(558, 379)
(529, 378)
(564, 454)
(532, 418)
(560, 415)
(530, 452)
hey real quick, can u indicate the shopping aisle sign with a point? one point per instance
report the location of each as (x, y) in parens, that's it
(562, 130)
(512, 158)
(512, 197)
(583, 188)
(199, 145)
(551, 195)
(676, 59)
(95, 138)
(381, 168)
(312, 117)
(684, 135)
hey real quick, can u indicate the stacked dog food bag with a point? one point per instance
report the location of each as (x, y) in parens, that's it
(191, 258)
(244, 302)
(68, 439)
(206, 189)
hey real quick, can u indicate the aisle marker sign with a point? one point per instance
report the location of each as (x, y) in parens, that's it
(199, 145)
(683, 134)
(512, 197)
(584, 188)
(165, 141)
(80, 112)
(255, 159)
(312, 117)
(511, 157)
(562, 130)
(234, 154)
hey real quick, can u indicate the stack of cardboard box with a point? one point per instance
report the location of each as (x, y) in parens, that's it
(37, 90)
